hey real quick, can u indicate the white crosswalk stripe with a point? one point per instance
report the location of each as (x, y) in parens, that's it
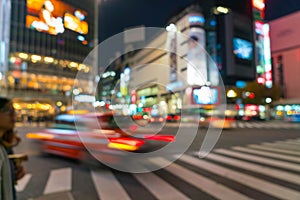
(255, 183)
(202, 183)
(282, 145)
(273, 155)
(268, 161)
(266, 125)
(60, 180)
(272, 148)
(158, 187)
(107, 186)
(21, 184)
(279, 174)
(292, 143)
(244, 165)
(247, 124)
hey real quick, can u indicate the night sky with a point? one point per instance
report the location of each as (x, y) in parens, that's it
(115, 15)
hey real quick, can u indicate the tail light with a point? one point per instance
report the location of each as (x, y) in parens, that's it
(129, 144)
(160, 119)
(177, 117)
(169, 117)
(152, 119)
(166, 138)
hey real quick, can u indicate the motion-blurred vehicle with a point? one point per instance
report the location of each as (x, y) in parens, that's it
(75, 136)
(173, 118)
(141, 118)
(156, 119)
(222, 123)
(207, 118)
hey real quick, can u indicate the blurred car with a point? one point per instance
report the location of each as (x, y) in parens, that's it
(217, 122)
(156, 119)
(141, 118)
(76, 136)
(173, 118)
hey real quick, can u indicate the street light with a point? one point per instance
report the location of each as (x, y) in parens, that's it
(221, 10)
(171, 28)
(268, 100)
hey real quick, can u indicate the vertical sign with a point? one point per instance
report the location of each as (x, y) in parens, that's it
(196, 56)
(173, 57)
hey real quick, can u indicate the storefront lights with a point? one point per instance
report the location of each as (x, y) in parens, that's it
(35, 58)
(76, 91)
(73, 64)
(49, 59)
(268, 100)
(23, 55)
(231, 94)
(221, 10)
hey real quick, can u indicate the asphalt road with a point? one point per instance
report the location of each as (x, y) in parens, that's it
(245, 163)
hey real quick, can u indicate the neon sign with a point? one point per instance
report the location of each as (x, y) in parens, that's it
(258, 4)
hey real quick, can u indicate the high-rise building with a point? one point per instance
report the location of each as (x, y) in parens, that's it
(225, 30)
(44, 44)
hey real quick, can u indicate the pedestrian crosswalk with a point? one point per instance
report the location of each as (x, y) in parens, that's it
(255, 171)
(266, 125)
(248, 124)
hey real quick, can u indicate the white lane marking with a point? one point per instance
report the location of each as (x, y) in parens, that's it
(158, 187)
(282, 146)
(254, 146)
(294, 141)
(212, 188)
(263, 153)
(279, 174)
(22, 183)
(295, 144)
(59, 180)
(107, 186)
(263, 160)
(252, 182)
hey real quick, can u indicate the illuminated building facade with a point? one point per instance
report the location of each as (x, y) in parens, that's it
(225, 30)
(285, 45)
(47, 44)
(262, 43)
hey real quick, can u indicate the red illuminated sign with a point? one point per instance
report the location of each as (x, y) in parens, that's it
(258, 4)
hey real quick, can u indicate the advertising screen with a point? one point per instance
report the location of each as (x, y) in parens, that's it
(206, 95)
(54, 16)
(196, 57)
(242, 49)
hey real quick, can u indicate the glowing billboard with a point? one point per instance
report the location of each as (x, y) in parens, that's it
(206, 95)
(54, 16)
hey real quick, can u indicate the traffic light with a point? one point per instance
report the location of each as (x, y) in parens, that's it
(251, 95)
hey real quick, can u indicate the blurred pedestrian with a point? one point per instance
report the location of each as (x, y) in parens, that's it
(9, 173)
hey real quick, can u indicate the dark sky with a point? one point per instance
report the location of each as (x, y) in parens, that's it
(115, 15)
(279, 8)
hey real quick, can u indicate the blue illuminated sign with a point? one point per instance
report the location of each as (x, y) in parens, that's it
(240, 84)
(196, 19)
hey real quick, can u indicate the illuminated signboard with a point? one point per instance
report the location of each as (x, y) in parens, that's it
(196, 19)
(206, 95)
(258, 4)
(242, 49)
(54, 16)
